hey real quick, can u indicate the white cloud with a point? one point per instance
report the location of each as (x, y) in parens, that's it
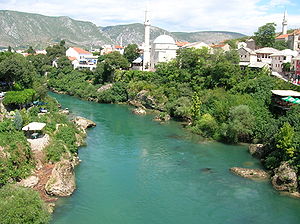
(176, 15)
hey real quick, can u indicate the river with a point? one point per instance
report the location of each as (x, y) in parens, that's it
(137, 171)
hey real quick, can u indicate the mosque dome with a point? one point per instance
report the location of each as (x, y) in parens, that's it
(164, 39)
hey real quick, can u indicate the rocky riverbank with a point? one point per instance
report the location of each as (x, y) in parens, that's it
(283, 178)
(53, 180)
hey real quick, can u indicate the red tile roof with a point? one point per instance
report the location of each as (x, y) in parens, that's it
(282, 36)
(180, 44)
(72, 58)
(218, 45)
(118, 47)
(81, 51)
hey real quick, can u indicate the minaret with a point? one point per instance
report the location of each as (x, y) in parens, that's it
(146, 59)
(284, 23)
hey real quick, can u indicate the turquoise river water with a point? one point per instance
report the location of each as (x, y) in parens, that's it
(137, 171)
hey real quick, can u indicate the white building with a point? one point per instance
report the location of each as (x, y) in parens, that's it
(197, 45)
(281, 57)
(163, 50)
(81, 58)
(264, 54)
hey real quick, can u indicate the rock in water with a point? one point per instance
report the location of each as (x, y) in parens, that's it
(254, 174)
(285, 178)
(257, 150)
(62, 180)
(139, 111)
(162, 117)
(84, 123)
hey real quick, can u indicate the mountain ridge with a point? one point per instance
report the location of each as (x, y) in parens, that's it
(25, 29)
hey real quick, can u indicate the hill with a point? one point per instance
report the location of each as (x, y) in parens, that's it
(19, 29)
(23, 29)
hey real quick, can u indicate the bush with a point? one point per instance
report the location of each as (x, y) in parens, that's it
(19, 98)
(21, 205)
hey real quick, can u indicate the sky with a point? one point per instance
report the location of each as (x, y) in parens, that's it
(243, 16)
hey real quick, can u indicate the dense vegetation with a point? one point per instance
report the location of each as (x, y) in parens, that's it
(21, 205)
(24, 81)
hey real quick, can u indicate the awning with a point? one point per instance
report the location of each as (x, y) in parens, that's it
(291, 100)
(34, 126)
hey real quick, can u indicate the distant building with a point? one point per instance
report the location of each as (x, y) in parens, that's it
(181, 43)
(247, 55)
(224, 47)
(81, 58)
(296, 68)
(280, 58)
(119, 48)
(251, 44)
(264, 54)
(163, 50)
(197, 45)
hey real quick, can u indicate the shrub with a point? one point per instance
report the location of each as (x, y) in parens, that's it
(22, 205)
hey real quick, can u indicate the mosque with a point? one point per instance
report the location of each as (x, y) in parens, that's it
(163, 48)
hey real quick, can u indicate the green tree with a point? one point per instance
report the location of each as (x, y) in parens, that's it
(111, 62)
(286, 67)
(285, 140)
(281, 45)
(30, 50)
(240, 124)
(9, 49)
(18, 121)
(22, 205)
(131, 52)
(265, 36)
(56, 51)
(19, 98)
(15, 68)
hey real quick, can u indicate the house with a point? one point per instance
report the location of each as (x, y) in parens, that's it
(224, 47)
(197, 45)
(119, 49)
(251, 44)
(295, 79)
(247, 55)
(181, 44)
(137, 64)
(264, 54)
(280, 58)
(81, 58)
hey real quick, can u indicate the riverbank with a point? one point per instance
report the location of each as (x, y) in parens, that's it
(285, 181)
(132, 165)
(52, 155)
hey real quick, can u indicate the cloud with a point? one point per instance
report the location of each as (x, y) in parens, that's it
(175, 15)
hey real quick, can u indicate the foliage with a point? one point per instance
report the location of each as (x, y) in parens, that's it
(19, 98)
(112, 62)
(18, 121)
(285, 140)
(16, 68)
(281, 45)
(131, 52)
(22, 205)
(16, 162)
(265, 36)
(118, 93)
(56, 51)
(30, 50)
